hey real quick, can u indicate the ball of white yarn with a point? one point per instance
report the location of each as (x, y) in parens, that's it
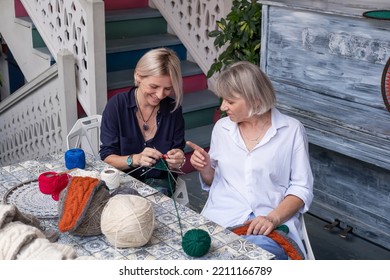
(127, 221)
(111, 177)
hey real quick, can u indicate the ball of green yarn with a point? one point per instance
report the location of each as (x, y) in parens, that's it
(283, 228)
(196, 242)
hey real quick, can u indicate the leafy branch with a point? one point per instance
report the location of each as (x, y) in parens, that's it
(240, 31)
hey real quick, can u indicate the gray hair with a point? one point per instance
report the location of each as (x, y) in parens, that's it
(246, 80)
(162, 62)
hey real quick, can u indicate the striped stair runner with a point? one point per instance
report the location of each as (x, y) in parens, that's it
(133, 28)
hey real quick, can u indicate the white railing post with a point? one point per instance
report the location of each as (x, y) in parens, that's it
(66, 90)
(95, 98)
(79, 26)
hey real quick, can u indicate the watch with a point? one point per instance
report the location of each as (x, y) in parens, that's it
(129, 161)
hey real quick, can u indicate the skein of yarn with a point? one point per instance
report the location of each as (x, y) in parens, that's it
(75, 158)
(52, 183)
(128, 221)
(81, 205)
(196, 242)
(111, 177)
(46, 182)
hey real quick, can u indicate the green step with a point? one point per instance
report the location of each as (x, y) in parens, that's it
(199, 100)
(124, 53)
(37, 40)
(120, 24)
(199, 135)
(134, 22)
(199, 108)
(141, 42)
(129, 14)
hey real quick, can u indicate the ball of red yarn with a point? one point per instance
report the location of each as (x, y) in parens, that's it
(46, 182)
(60, 184)
(52, 183)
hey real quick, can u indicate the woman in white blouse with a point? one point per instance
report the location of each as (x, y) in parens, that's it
(257, 170)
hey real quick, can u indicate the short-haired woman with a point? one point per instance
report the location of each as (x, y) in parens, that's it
(257, 170)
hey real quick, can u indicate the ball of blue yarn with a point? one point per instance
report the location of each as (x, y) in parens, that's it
(75, 158)
(196, 242)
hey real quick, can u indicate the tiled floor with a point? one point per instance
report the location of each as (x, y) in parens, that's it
(327, 245)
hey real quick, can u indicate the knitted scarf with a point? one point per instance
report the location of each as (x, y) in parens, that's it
(81, 206)
(280, 236)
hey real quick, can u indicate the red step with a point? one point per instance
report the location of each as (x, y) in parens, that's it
(122, 5)
(190, 84)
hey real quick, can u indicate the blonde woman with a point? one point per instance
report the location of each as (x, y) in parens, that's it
(143, 125)
(257, 170)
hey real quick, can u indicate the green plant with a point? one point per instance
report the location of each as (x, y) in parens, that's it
(240, 32)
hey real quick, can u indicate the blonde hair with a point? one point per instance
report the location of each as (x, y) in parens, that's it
(246, 80)
(162, 62)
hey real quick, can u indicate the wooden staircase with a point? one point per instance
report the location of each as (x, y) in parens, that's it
(131, 30)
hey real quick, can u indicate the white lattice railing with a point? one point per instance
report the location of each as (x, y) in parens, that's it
(191, 21)
(34, 119)
(78, 26)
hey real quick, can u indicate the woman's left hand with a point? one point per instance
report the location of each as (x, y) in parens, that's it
(260, 226)
(175, 158)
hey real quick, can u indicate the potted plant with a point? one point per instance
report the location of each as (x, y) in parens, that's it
(240, 34)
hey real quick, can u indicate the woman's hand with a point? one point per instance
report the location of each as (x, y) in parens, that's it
(175, 158)
(200, 159)
(148, 157)
(260, 226)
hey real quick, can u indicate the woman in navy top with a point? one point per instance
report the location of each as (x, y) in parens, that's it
(146, 124)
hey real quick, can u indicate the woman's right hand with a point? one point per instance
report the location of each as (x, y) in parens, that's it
(148, 157)
(200, 159)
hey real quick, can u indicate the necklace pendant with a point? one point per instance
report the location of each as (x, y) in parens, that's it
(145, 126)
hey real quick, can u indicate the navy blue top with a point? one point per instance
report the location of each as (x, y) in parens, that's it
(121, 135)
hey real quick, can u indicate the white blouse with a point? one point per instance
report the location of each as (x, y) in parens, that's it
(258, 180)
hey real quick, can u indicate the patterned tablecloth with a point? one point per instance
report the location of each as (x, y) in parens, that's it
(166, 239)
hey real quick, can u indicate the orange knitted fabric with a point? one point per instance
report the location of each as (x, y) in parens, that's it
(286, 245)
(283, 241)
(79, 193)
